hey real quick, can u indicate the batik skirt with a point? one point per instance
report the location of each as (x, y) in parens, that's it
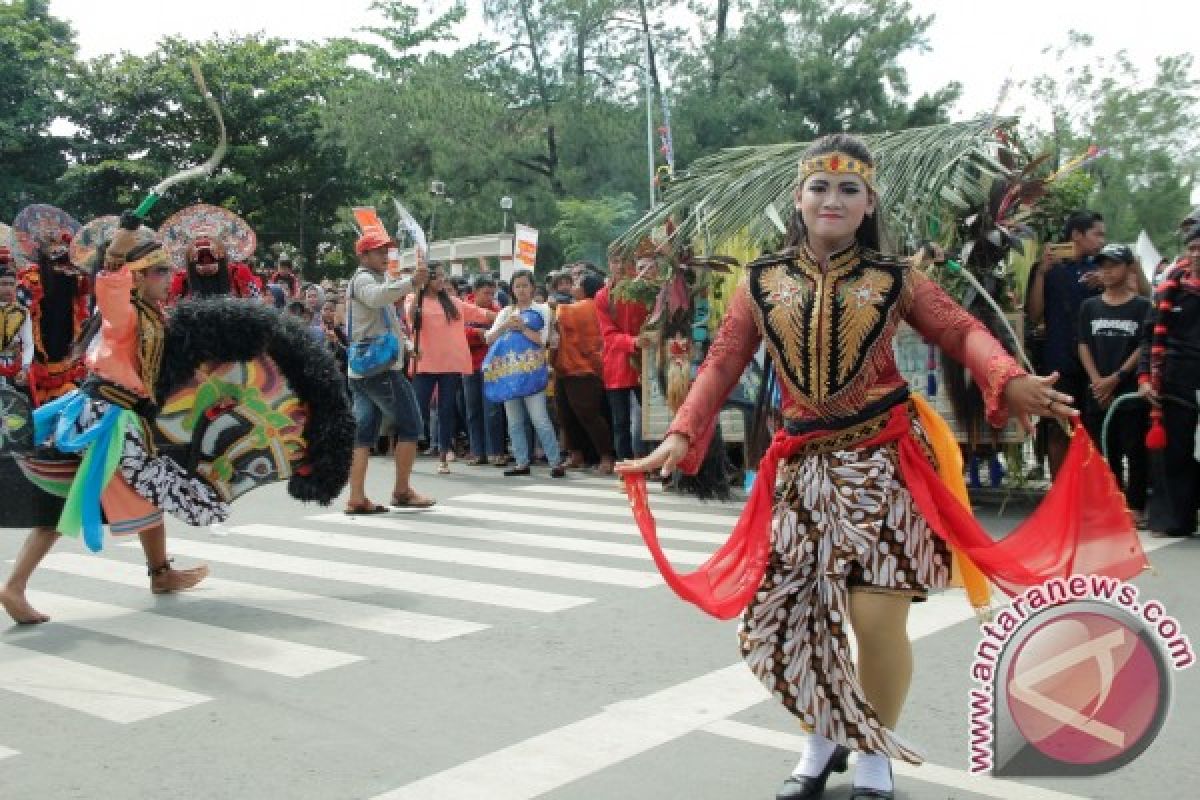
(843, 522)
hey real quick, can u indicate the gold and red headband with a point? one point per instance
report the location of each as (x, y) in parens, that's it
(838, 164)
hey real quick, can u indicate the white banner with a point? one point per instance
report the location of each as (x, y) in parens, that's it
(525, 246)
(1148, 254)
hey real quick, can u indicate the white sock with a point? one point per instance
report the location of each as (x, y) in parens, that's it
(873, 771)
(817, 750)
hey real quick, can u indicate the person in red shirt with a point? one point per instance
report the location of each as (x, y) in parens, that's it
(485, 419)
(621, 319)
(285, 276)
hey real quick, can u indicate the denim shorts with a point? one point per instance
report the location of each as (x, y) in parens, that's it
(386, 395)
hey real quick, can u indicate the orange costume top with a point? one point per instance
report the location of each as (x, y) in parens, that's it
(128, 349)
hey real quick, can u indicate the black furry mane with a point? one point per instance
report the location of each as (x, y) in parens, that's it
(216, 330)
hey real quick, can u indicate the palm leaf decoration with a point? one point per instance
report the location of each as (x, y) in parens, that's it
(927, 177)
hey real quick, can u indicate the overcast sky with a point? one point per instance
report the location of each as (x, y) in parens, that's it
(976, 43)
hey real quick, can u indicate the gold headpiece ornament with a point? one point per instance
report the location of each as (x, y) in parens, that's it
(838, 164)
(155, 258)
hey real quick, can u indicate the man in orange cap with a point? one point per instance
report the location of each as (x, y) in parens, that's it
(371, 296)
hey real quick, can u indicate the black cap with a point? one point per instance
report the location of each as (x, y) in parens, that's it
(1191, 233)
(1191, 221)
(1115, 252)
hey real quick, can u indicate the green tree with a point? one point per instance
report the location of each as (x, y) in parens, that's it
(796, 69)
(586, 227)
(1147, 128)
(140, 118)
(37, 53)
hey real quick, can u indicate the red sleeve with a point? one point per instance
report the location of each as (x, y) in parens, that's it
(177, 282)
(615, 340)
(943, 322)
(735, 345)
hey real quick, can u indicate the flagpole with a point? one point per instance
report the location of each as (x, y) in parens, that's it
(650, 125)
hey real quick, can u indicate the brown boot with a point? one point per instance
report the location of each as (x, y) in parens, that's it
(166, 579)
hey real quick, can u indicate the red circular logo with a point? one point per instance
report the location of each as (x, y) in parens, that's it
(1085, 688)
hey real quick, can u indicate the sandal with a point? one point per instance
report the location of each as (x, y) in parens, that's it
(365, 508)
(475, 461)
(412, 500)
(443, 468)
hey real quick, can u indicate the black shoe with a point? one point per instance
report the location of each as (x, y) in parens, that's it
(863, 793)
(803, 787)
(558, 472)
(516, 472)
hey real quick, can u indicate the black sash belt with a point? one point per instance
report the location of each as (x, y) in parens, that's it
(118, 395)
(796, 427)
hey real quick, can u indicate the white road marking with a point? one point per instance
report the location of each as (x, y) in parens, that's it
(567, 510)
(415, 582)
(543, 763)
(561, 756)
(414, 524)
(594, 525)
(112, 696)
(332, 610)
(6, 752)
(570, 570)
(248, 650)
(928, 773)
(656, 498)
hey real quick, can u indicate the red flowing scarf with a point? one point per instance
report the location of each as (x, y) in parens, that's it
(1082, 526)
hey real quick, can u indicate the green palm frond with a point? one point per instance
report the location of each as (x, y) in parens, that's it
(924, 174)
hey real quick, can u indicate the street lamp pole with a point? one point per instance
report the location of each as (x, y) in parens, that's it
(506, 203)
(438, 190)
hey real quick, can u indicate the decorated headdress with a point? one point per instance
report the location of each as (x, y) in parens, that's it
(838, 163)
(43, 231)
(195, 227)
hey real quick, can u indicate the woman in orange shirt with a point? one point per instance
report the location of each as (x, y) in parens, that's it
(444, 356)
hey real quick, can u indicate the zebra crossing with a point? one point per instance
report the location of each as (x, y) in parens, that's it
(564, 547)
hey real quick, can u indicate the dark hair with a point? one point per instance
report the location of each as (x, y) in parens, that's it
(591, 284)
(1191, 234)
(522, 273)
(297, 307)
(443, 297)
(483, 282)
(869, 233)
(1080, 222)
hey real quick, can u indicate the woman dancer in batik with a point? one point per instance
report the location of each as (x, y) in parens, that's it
(849, 546)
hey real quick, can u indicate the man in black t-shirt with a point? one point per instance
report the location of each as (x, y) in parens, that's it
(1111, 328)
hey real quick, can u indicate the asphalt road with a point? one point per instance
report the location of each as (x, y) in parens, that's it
(516, 643)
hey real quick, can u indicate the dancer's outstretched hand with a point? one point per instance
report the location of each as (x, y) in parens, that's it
(665, 458)
(1035, 396)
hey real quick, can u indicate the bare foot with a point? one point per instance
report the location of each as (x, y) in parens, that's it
(177, 580)
(19, 609)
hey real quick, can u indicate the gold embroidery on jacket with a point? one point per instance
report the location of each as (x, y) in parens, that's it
(829, 331)
(151, 338)
(13, 316)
